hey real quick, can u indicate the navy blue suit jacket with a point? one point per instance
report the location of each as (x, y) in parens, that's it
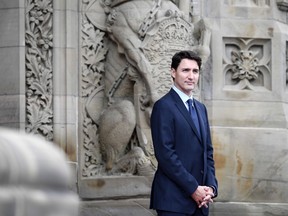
(185, 157)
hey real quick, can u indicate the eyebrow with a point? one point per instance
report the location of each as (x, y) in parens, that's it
(188, 69)
(185, 69)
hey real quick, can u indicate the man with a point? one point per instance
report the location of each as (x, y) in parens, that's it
(184, 183)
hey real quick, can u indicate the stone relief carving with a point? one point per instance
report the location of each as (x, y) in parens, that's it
(282, 5)
(247, 64)
(126, 51)
(39, 45)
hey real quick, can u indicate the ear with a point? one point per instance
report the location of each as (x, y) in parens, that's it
(173, 72)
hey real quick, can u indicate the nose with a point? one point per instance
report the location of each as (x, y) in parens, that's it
(191, 75)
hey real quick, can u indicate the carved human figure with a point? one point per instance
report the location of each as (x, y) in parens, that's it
(143, 35)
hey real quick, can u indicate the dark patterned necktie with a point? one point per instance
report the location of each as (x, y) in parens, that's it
(193, 114)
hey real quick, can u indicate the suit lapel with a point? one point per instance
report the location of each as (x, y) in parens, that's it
(183, 110)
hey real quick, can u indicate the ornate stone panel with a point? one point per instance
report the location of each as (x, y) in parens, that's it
(39, 46)
(247, 64)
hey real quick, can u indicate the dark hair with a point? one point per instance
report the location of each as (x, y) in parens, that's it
(185, 54)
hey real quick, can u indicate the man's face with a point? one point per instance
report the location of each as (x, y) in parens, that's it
(186, 76)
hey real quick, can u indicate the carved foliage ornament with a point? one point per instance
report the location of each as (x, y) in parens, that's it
(92, 67)
(247, 64)
(39, 45)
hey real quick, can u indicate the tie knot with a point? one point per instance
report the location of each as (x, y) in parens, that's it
(190, 102)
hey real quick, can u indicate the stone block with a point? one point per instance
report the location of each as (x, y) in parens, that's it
(10, 108)
(115, 186)
(10, 75)
(11, 4)
(251, 163)
(9, 26)
(59, 26)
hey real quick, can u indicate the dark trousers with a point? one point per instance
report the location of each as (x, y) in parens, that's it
(198, 212)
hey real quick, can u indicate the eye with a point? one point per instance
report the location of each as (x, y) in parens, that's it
(195, 71)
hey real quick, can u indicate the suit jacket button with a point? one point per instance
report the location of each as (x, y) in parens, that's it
(202, 172)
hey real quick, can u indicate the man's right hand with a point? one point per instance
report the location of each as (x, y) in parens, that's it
(202, 196)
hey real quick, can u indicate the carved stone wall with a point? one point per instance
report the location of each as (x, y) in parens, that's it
(39, 85)
(249, 99)
(247, 64)
(51, 72)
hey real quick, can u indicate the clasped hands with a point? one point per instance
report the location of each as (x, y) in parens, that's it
(203, 195)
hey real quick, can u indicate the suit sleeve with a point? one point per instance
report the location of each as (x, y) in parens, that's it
(162, 128)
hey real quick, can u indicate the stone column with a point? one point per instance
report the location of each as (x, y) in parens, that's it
(65, 75)
(65, 78)
(12, 58)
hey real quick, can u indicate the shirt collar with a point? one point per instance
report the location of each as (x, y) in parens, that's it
(182, 95)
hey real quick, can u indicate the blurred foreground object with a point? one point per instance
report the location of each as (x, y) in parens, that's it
(34, 177)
